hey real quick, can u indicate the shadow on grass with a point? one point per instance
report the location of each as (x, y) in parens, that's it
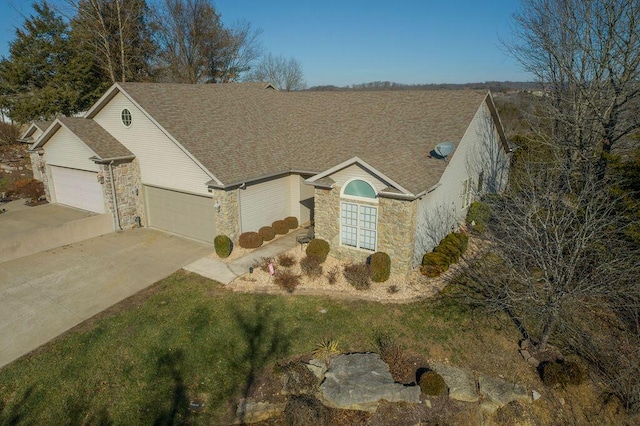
(169, 366)
(264, 338)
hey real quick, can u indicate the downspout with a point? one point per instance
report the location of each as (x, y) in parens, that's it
(116, 216)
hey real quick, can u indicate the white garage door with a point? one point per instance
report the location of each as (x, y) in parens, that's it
(78, 188)
(185, 214)
(264, 203)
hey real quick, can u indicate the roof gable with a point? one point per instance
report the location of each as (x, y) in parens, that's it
(105, 146)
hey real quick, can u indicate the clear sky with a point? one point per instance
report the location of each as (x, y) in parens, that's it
(343, 42)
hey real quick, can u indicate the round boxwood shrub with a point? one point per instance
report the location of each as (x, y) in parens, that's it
(318, 248)
(380, 263)
(463, 240)
(250, 240)
(478, 215)
(450, 250)
(434, 264)
(291, 221)
(432, 384)
(223, 246)
(267, 233)
(280, 226)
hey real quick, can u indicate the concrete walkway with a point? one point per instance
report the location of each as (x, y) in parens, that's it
(227, 272)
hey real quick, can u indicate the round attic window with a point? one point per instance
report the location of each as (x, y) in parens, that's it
(125, 115)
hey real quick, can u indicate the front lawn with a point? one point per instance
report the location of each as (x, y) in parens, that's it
(188, 338)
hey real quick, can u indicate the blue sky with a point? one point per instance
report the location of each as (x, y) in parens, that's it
(356, 41)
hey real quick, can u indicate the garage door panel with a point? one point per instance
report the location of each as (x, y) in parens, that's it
(78, 188)
(189, 215)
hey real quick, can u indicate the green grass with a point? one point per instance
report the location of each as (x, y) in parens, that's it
(187, 338)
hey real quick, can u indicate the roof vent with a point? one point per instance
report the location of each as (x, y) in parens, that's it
(445, 149)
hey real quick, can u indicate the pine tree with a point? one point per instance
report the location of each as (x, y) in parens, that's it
(44, 75)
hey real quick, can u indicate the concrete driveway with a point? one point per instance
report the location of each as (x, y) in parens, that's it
(27, 230)
(45, 294)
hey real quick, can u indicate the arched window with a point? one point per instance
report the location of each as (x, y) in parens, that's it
(358, 221)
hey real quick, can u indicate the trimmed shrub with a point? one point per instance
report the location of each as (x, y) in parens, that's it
(267, 233)
(318, 248)
(561, 373)
(291, 222)
(380, 264)
(287, 280)
(286, 260)
(311, 266)
(280, 227)
(463, 241)
(250, 240)
(479, 214)
(450, 250)
(432, 384)
(434, 264)
(358, 275)
(223, 246)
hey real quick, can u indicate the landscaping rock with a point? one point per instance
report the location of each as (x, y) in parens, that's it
(501, 391)
(317, 367)
(361, 381)
(462, 384)
(253, 412)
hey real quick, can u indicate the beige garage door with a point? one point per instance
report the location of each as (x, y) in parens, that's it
(77, 188)
(189, 215)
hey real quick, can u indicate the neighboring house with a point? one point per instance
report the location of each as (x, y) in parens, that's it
(203, 160)
(33, 132)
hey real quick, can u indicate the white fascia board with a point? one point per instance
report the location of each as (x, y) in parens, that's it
(364, 164)
(116, 88)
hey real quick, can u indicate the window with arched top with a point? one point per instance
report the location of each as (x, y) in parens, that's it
(358, 222)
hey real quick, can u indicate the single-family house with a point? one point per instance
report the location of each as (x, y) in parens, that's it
(204, 160)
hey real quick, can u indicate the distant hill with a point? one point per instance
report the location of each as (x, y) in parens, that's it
(494, 86)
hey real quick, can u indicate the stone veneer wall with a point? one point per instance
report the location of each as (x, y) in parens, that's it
(129, 196)
(228, 218)
(38, 167)
(396, 229)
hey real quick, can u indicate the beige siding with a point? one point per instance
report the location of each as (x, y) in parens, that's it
(306, 203)
(441, 211)
(301, 198)
(354, 171)
(162, 162)
(67, 150)
(265, 202)
(188, 215)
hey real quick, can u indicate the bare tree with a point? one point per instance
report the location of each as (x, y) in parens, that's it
(285, 74)
(586, 55)
(117, 34)
(195, 46)
(241, 49)
(553, 253)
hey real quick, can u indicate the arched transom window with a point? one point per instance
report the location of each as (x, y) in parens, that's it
(358, 221)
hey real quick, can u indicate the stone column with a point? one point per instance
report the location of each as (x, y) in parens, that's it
(228, 217)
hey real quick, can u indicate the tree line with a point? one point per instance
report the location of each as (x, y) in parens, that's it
(63, 59)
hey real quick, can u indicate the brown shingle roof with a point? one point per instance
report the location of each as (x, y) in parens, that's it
(244, 131)
(96, 138)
